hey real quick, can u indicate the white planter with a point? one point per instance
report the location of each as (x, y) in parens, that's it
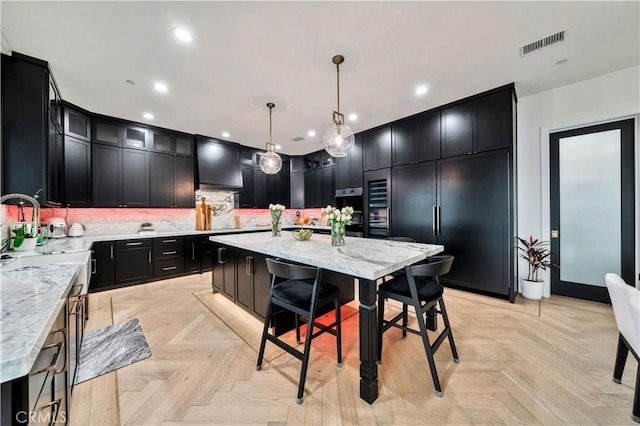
(531, 289)
(29, 244)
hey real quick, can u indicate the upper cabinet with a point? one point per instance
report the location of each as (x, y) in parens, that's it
(77, 124)
(349, 168)
(376, 146)
(135, 137)
(219, 163)
(32, 144)
(107, 131)
(170, 142)
(481, 124)
(417, 139)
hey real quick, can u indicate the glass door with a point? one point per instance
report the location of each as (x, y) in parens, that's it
(377, 203)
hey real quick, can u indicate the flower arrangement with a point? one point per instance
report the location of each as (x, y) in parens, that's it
(338, 219)
(276, 214)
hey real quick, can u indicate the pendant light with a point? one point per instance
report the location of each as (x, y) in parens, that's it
(338, 139)
(270, 161)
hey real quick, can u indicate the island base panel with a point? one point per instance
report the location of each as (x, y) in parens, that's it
(368, 316)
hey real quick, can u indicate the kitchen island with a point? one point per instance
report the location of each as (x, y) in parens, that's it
(362, 258)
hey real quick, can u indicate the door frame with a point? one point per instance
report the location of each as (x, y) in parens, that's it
(545, 180)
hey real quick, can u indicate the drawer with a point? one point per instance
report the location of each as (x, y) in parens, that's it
(168, 268)
(126, 244)
(168, 243)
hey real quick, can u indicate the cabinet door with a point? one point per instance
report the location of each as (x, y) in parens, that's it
(134, 265)
(342, 171)
(427, 137)
(246, 194)
(229, 266)
(273, 189)
(219, 163)
(457, 130)
(402, 142)
(160, 141)
(413, 202)
(77, 172)
(328, 187)
(355, 164)
(161, 180)
(55, 165)
(316, 188)
(136, 137)
(245, 278)
(260, 199)
(183, 182)
(183, 145)
(494, 121)
(377, 148)
(77, 125)
(108, 132)
(135, 178)
(206, 253)
(284, 182)
(102, 268)
(106, 162)
(297, 190)
(475, 220)
(261, 285)
(192, 253)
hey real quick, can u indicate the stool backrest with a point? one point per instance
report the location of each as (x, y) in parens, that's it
(290, 271)
(625, 300)
(435, 266)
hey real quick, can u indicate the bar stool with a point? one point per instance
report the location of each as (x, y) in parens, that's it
(303, 293)
(419, 287)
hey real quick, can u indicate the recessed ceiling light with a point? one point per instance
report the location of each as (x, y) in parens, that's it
(278, 146)
(421, 90)
(148, 115)
(160, 87)
(131, 82)
(225, 134)
(311, 133)
(182, 34)
(562, 61)
(353, 117)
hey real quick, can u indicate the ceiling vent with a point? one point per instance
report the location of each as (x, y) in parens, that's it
(542, 43)
(297, 139)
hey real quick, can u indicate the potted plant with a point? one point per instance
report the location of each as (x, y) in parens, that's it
(537, 254)
(25, 238)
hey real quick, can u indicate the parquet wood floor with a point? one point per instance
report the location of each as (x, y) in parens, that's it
(548, 363)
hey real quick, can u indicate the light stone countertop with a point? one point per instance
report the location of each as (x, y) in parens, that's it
(31, 300)
(365, 258)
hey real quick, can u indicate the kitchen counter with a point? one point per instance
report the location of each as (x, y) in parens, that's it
(31, 300)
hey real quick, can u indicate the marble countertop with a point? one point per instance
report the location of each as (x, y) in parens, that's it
(31, 300)
(365, 258)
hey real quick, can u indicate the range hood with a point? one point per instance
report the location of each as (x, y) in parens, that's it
(218, 164)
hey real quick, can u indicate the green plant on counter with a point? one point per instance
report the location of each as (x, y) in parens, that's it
(21, 234)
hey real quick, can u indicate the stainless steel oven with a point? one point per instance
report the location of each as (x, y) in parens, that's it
(352, 197)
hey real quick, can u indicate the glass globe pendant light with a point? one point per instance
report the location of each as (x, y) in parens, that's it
(270, 161)
(338, 139)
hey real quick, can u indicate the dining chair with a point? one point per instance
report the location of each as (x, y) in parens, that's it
(625, 300)
(303, 293)
(419, 287)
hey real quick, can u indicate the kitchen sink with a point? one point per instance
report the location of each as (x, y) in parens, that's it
(83, 258)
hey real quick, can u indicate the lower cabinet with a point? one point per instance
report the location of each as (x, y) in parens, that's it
(102, 265)
(252, 282)
(224, 270)
(134, 263)
(168, 257)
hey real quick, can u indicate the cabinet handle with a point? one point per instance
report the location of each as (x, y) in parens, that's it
(169, 268)
(193, 251)
(439, 214)
(149, 256)
(139, 243)
(94, 266)
(169, 241)
(169, 252)
(433, 221)
(111, 251)
(220, 252)
(250, 264)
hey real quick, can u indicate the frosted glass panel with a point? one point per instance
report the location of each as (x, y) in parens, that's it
(590, 207)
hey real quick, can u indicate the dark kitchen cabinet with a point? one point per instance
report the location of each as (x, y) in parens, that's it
(244, 277)
(193, 253)
(224, 270)
(476, 222)
(77, 124)
(168, 257)
(219, 164)
(183, 145)
(253, 282)
(416, 140)
(245, 198)
(135, 137)
(414, 201)
(349, 168)
(297, 194)
(171, 181)
(479, 125)
(206, 253)
(106, 172)
(135, 178)
(327, 186)
(134, 261)
(376, 148)
(77, 172)
(107, 131)
(170, 143)
(102, 265)
(312, 188)
(31, 130)
(260, 197)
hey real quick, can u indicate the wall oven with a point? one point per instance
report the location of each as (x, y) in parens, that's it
(352, 197)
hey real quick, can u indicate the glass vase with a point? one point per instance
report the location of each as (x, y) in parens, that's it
(337, 234)
(276, 226)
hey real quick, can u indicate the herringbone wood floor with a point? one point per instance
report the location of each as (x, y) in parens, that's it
(520, 364)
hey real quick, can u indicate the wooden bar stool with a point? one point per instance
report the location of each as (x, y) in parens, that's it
(303, 293)
(420, 288)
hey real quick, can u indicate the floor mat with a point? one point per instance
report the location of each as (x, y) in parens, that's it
(110, 348)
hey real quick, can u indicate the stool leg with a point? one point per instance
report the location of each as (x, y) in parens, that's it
(635, 413)
(305, 357)
(427, 348)
(447, 329)
(621, 359)
(265, 330)
(380, 324)
(339, 332)
(297, 329)
(405, 320)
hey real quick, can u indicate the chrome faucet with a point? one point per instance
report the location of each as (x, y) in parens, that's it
(35, 217)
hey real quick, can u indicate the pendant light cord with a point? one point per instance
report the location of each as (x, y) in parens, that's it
(338, 84)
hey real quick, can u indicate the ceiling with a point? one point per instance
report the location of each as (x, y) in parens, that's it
(245, 54)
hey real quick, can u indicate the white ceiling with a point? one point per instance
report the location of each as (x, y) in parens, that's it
(245, 54)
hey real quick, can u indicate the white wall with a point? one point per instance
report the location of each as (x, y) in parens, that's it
(601, 99)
